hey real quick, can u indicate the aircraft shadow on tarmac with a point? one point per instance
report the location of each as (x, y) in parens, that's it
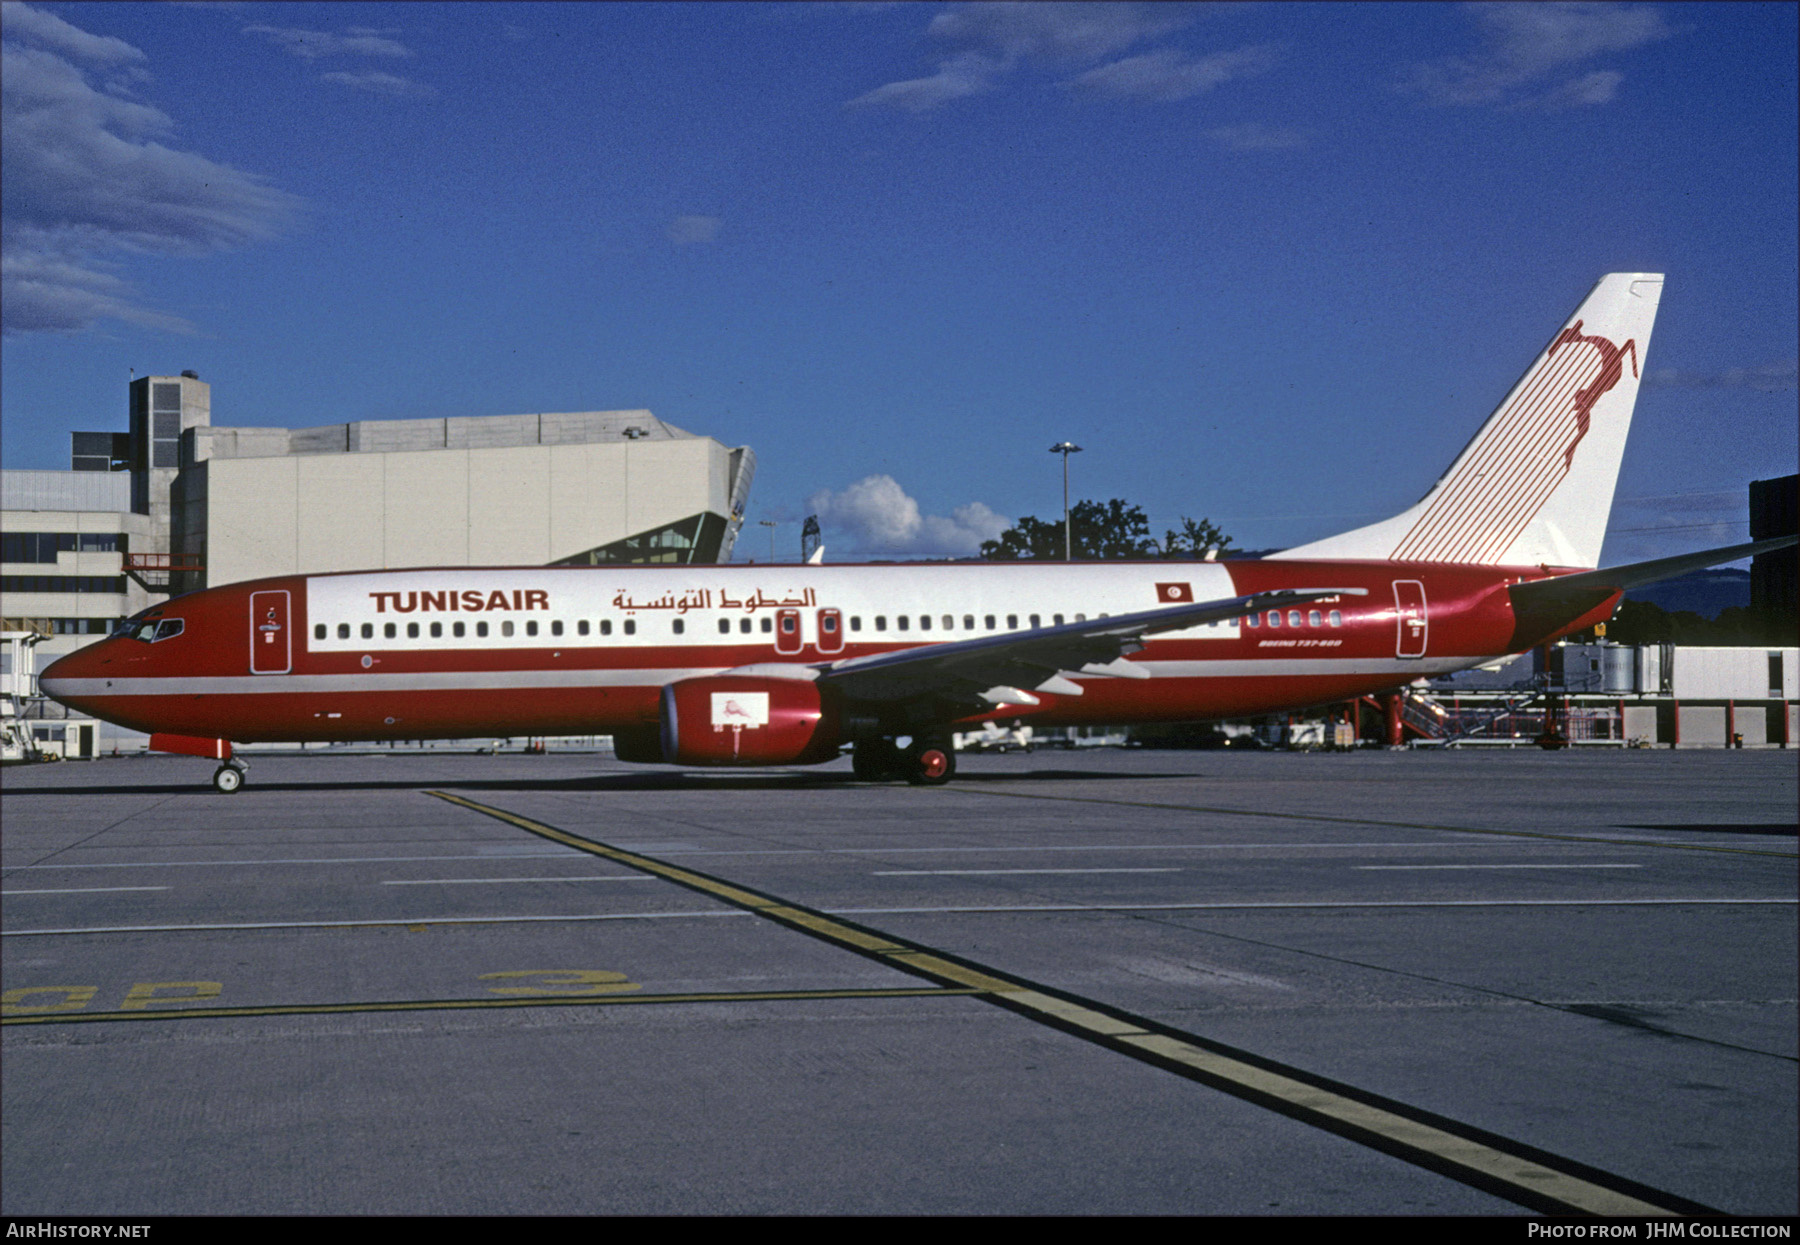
(1711, 827)
(684, 780)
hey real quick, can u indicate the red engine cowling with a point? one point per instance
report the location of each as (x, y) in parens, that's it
(744, 720)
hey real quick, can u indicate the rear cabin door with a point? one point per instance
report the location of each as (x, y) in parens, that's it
(271, 639)
(787, 631)
(1409, 612)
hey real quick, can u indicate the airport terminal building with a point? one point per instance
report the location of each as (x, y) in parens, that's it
(176, 504)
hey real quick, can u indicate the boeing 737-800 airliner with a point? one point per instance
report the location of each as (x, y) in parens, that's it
(781, 665)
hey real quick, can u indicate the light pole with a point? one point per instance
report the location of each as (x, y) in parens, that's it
(771, 525)
(1066, 448)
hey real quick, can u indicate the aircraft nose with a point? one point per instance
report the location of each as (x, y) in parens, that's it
(63, 680)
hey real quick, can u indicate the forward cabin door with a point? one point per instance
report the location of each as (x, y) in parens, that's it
(271, 639)
(787, 631)
(1409, 612)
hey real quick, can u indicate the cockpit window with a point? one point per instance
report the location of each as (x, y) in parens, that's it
(150, 630)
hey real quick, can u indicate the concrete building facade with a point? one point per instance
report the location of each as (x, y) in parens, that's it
(176, 504)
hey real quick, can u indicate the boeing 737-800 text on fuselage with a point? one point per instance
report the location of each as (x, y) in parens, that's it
(780, 665)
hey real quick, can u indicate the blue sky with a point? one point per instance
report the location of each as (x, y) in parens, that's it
(1269, 264)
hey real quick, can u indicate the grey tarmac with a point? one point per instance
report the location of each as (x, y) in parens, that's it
(1122, 982)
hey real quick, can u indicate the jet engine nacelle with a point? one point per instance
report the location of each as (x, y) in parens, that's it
(745, 720)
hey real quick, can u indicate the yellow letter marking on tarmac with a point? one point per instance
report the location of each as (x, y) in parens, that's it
(144, 994)
(74, 998)
(571, 981)
(1462, 1152)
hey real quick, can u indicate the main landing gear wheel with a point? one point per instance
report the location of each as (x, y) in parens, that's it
(930, 763)
(874, 760)
(228, 778)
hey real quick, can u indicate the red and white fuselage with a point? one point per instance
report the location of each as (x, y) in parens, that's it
(464, 653)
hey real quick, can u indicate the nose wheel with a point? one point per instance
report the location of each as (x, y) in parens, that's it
(229, 777)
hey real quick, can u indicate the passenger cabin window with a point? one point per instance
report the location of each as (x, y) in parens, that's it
(743, 626)
(481, 630)
(1036, 622)
(456, 629)
(631, 626)
(389, 631)
(1274, 618)
(343, 631)
(606, 626)
(368, 631)
(724, 626)
(318, 631)
(856, 622)
(924, 622)
(1337, 618)
(881, 622)
(1012, 622)
(969, 622)
(1255, 620)
(1313, 619)
(949, 623)
(989, 622)
(582, 626)
(412, 631)
(768, 625)
(531, 626)
(437, 630)
(1293, 618)
(1057, 619)
(556, 627)
(680, 626)
(902, 622)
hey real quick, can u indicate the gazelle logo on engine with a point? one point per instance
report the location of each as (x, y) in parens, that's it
(739, 710)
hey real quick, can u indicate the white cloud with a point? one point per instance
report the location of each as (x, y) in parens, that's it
(1526, 46)
(83, 174)
(312, 44)
(875, 515)
(1167, 74)
(986, 42)
(21, 21)
(379, 83)
(1774, 377)
(691, 230)
(967, 74)
(1256, 137)
(1055, 31)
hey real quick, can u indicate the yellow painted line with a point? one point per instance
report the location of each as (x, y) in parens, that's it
(1495, 1164)
(1369, 821)
(437, 1005)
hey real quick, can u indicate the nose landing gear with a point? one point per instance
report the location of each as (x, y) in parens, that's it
(229, 776)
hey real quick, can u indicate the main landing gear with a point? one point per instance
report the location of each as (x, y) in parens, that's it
(230, 776)
(928, 761)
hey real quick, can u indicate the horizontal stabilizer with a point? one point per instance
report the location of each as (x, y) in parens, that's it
(1588, 588)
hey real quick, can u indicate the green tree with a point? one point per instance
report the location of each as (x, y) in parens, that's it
(1103, 530)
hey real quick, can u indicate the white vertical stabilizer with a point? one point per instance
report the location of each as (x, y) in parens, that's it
(1535, 486)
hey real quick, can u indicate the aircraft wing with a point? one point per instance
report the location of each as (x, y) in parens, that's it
(1005, 669)
(1583, 591)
